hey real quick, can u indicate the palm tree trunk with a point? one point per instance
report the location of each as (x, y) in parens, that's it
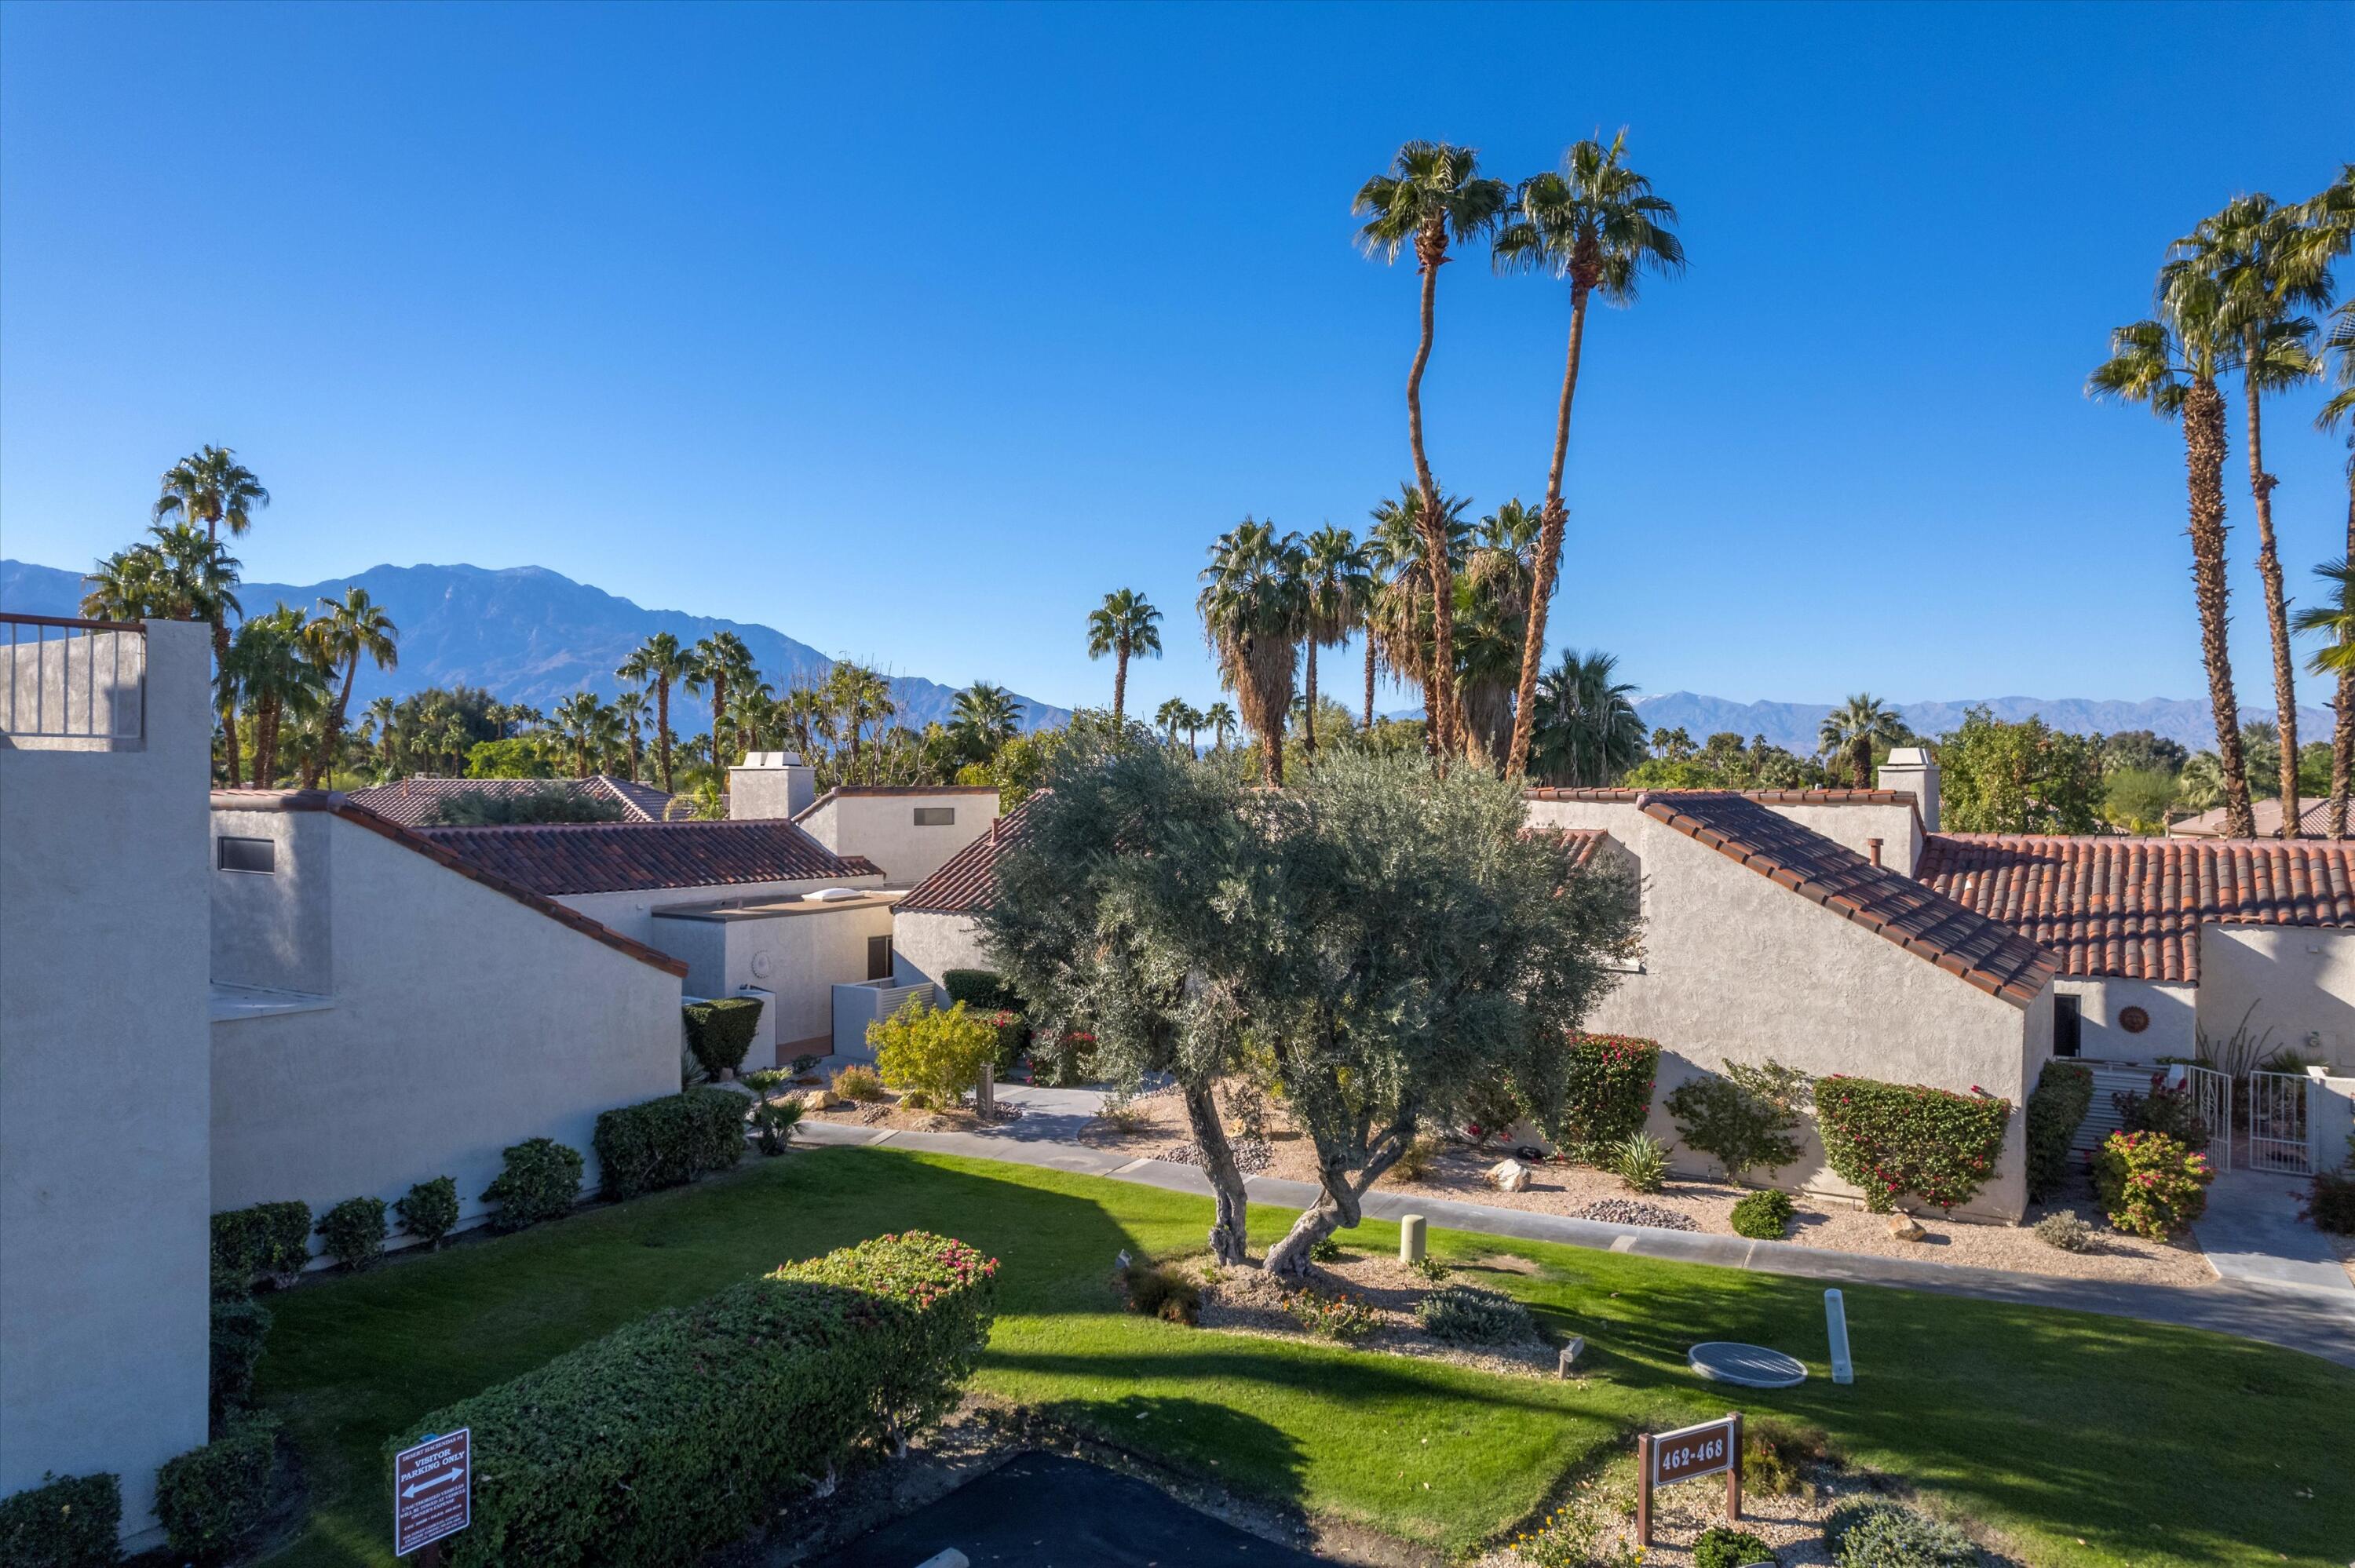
(228, 702)
(1119, 682)
(2342, 738)
(718, 715)
(1369, 633)
(1439, 687)
(1549, 531)
(1308, 712)
(2261, 489)
(2204, 456)
(265, 745)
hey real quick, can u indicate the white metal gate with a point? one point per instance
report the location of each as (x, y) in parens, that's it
(2211, 1096)
(2277, 1123)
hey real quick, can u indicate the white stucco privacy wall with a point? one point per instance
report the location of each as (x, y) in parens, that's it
(927, 947)
(2173, 1010)
(882, 825)
(2292, 984)
(796, 952)
(632, 911)
(104, 1245)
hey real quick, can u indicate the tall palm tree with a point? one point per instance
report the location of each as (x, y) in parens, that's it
(1434, 197)
(632, 707)
(179, 572)
(1855, 727)
(1587, 732)
(985, 718)
(1598, 225)
(381, 712)
(1124, 626)
(1402, 613)
(211, 487)
(1218, 718)
(2172, 363)
(278, 673)
(355, 627)
(659, 662)
(717, 663)
(1170, 717)
(1491, 601)
(2331, 215)
(2335, 618)
(1337, 573)
(586, 722)
(1253, 606)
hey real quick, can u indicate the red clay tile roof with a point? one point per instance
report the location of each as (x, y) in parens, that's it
(1923, 920)
(412, 802)
(968, 876)
(341, 805)
(618, 857)
(2132, 908)
(1771, 797)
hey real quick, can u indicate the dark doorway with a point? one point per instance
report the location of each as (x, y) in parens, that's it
(878, 958)
(2067, 1023)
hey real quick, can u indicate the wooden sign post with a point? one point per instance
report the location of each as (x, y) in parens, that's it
(1688, 1454)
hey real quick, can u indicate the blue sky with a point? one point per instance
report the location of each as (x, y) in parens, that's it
(913, 331)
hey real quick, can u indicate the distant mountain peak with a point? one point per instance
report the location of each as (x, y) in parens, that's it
(1793, 725)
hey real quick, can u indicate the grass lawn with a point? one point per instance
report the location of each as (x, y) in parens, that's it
(2152, 1445)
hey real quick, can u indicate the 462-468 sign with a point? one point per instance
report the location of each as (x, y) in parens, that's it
(1687, 1454)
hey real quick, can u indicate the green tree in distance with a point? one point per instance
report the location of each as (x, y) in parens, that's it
(1124, 626)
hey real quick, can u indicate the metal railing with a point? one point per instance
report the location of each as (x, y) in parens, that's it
(2277, 1137)
(75, 680)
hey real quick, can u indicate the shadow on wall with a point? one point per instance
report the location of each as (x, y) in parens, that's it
(2279, 989)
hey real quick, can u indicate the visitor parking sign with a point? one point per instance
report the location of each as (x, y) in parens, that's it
(432, 1491)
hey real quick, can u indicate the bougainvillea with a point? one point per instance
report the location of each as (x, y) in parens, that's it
(1892, 1139)
(2151, 1184)
(1610, 1092)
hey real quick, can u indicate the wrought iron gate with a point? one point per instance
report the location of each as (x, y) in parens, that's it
(2211, 1096)
(2277, 1124)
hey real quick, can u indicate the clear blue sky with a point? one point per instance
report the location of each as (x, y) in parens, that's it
(912, 330)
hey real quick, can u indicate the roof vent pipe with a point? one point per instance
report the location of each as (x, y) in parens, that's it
(1873, 850)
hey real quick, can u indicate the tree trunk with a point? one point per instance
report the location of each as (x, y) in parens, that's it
(1229, 1237)
(1439, 685)
(265, 745)
(1339, 1206)
(662, 729)
(1119, 684)
(1308, 712)
(2342, 738)
(1549, 531)
(1370, 678)
(718, 718)
(2203, 454)
(331, 743)
(2261, 490)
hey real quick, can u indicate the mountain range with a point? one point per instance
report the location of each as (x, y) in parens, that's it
(2189, 721)
(526, 633)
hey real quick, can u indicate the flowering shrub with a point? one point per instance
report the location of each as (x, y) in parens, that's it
(1067, 1064)
(1013, 1033)
(924, 1051)
(1892, 1139)
(1610, 1088)
(1343, 1317)
(2151, 1184)
(2174, 1111)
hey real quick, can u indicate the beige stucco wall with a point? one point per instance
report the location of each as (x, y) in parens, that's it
(276, 930)
(2173, 1010)
(2296, 982)
(1897, 827)
(1737, 968)
(462, 1021)
(883, 829)
(104, 1247)
(632, 913)
(807, 953)
(926, 947)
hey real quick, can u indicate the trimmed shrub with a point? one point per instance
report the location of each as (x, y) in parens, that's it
(2330, 1205)
(1467, 1315)
(2174, 1112)
(2063, 1093)
(1881, 1534)
(240, 1326)
(1418, 1160)
(1069, 1062)
(675, 1434)
(354, 1232)
(719, 1031)
(538, 1180)
(1013, 1039)
(1722, 1546)
(937, 1055)
(2150, 1185)
(1892, 1139)
(773, 1121)
(1763, 1215)
(984, 991)
(215, 1499)
(670, 1142)
(859, 1082)
(66, 1521)
(430, 1212)
(268, 1241)
(1162, 1293)
(1743, 1116)
(1640, 1162)
(1610, 1088)
(2065, 1231)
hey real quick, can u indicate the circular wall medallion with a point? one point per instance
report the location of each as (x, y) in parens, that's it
(2133, 1020)
(761, 964)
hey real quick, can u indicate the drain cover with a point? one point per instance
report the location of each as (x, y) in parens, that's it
(1750, 1366)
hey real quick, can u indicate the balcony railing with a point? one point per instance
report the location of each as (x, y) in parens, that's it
(74, 680)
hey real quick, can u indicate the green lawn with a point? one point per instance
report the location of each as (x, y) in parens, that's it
(2154, 1446)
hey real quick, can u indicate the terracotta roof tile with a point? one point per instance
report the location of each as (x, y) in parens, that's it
(413, 802)
(617, 857)
(1840, 797)
(968, 877)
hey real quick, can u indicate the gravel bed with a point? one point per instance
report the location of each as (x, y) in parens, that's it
(1252, 1155)
(1629, 1212)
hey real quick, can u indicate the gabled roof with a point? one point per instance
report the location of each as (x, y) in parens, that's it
(1964, 942)
(968, 877)
(2313, 821)
(619, 857)
(2132, 908)
(341, 805)
(413, 802)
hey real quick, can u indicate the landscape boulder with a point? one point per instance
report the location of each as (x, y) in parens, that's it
(1510, 1176)
(1905, 1228)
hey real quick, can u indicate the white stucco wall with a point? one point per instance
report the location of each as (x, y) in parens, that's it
(883, 827)
(926, 947)
(1856, 825)
(461, 1022)
(2296, 982)
(807, 954)
(1738, 968)
(104, 1245)
(2173, 1011)
(632, 911)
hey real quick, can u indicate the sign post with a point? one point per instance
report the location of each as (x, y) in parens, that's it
(433, 1491)
(1688, 1454)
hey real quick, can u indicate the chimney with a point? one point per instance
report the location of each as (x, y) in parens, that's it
(768, 785)
(1873, 850)
(1910, 767)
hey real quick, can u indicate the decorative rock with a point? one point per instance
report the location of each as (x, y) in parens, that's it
(1903, 1228)
(1510, 1176)
(1410, 1238)
(821, 1100)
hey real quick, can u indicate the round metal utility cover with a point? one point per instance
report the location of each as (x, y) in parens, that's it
(1750, 1366)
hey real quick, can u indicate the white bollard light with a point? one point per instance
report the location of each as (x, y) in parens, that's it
(1410, 1238)
(1836, 1325)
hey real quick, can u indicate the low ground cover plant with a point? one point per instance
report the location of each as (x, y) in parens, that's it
(2150, 1185)
(1722, 1546)
(1895, 1141)
(1610, 1093)
(539, 1180)
(1743, 1116)
(719, 1031)
(353, 1232)
(2063, 1093)
(66, 1521)
(267, 1241)
(670, 1142)
(858, 1083)
(1578, 1534)
(213, 1500)
(1467, 1315)
(1763, 1215)
(1777, 1459)
(2064, 1231)
(1341, 1316)
(430, 1212)
(1162, 1292)
(939, 1054)
(1878, 1533)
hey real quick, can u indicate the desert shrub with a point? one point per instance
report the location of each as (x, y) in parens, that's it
(719, 1031)
(240, 1326)
(2171, 1112)
(1743, 1116)
(1878, 1533)
(1775, 1458)
(2150, 1185)
(1467, 1315)
(539, 1180)
(214, 1500)
(803, 1063)
(268, 1241)
(2065, 1230)
(1430, 1268)
(2329, 1203)
(984, 991)
(1572, 1536)
(859, 1082)
(430, 1211)
(1640, 1162)
(1163, 1293)
(1763, 1216)
(354, 1232)
(939, 1054)
(2056, 1107)
(1420, 1157)
(773, 1122)
(1121, 1112)
(765, 1080)
(1345, 1318)
(1013, 1038)
(66, 1521)
(675, 1434)
(1721, 1546)
(1324, 1249)
(1610, 1088)
(1892, 1139)
(670, 1142)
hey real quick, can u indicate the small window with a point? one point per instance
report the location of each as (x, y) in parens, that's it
(249, 854)
(878, 958)
(936, 816)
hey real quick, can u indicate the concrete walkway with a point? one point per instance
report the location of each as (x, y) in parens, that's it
(2301, 1316)
(2251, 1233)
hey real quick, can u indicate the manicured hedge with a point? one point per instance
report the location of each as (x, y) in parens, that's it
(430, 1211)
(1610, 1090)
(2063, 1093)
(354, 1232)
(680, 1432)
(240, 1325)
(1892, 1139)
(268, 1241)
(670, 1142)
(66, 1521)
(213, 1500)
(539, 1180)
(2150, 1185)
(719, 1031)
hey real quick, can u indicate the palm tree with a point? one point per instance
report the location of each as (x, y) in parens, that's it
(1402, 615)
(1124, 625)
(354, 627)
(381, 712)
(719, 661)
(1491, 601)
(631, 707)
(1856, 727)
(2336, 618)
(1171, 718)
(1339, 575)
(589, 724)
(211, 487)
(1254, 607)
(277, 673)
(1598, 225)
(985, 718)
(1587, 732)
(179, 573)
(659, 660)
(2172, 363)
(1432, 196)
(2331, 215)
(1218, 718)
(855, 697)
(1194, 721)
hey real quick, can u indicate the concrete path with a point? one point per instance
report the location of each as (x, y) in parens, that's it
(2318, 1320)
(2252, 1231)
